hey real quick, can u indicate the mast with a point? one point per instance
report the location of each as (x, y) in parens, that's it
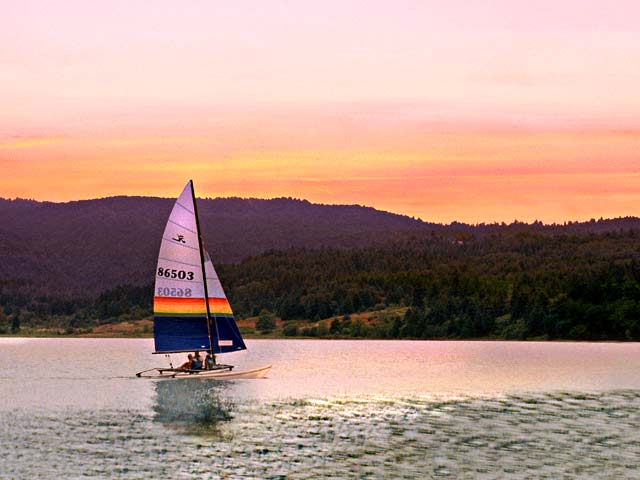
(204, 274)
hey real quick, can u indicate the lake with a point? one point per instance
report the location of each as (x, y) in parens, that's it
(73, 408)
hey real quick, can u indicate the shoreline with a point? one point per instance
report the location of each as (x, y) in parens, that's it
(283, 337)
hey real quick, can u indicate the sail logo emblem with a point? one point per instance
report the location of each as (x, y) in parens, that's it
(180, 239)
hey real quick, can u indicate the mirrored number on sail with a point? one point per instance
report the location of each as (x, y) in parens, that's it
(173, 292)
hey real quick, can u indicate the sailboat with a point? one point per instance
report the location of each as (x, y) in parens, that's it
(191, 312)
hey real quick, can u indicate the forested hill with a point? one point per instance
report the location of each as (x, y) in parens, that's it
(85, 247)
(513, 285)
(80, 249)
(509, 284)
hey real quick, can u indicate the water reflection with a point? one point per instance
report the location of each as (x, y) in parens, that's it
(193, 404)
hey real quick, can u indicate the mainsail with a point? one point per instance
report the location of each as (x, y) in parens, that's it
(182, 320)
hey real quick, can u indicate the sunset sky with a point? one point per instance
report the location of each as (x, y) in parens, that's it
(465, 110)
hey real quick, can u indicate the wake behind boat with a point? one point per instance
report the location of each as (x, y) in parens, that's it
(182, 320)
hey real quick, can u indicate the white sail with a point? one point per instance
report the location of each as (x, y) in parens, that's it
(179, 308)
(179, 270)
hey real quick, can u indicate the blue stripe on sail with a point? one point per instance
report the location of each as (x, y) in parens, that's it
(229, 332)
(174, 334)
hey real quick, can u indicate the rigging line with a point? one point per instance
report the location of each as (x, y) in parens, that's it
(215, 319)
(181, 226)
(215, 323)
(177, 261)
(204, 274)
(192, 213)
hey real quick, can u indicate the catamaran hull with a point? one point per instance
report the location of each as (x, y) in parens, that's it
(260, 372)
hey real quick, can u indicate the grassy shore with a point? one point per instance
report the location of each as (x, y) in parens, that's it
(322, 329)
(144, 328)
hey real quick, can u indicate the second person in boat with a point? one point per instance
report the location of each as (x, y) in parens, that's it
(196, 362)
(209, 362)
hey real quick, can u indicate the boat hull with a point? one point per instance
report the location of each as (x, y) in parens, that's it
(226, 374)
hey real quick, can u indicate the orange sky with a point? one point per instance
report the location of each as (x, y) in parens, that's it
(475, 112)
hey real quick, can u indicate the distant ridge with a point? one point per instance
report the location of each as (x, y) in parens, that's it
(85, 247)
(88, 246)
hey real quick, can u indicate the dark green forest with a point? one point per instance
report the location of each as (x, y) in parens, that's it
(503, 284)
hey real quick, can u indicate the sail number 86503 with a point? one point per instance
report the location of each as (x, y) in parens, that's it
(173, 273)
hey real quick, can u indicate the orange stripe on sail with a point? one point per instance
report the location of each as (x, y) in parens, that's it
(179, 305)
(219, 306)
(193, 306)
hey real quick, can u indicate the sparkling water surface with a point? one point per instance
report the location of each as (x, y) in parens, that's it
(328, 409)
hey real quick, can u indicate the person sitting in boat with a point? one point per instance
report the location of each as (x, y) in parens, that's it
(188, 365)
(196, 362)
(209, 362)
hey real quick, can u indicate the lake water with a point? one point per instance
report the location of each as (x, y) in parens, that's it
(328, 409)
